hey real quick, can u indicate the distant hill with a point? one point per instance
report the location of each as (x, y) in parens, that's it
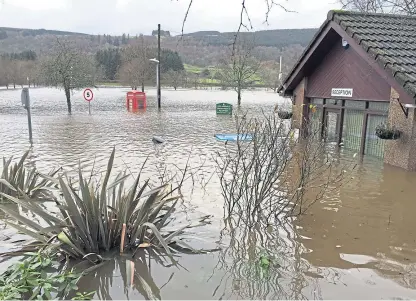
(202, 48)
(36, 32)
(270, 38)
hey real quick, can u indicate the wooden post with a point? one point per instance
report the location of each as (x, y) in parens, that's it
(123, 234)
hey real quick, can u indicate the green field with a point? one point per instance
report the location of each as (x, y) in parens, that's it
(197, 70)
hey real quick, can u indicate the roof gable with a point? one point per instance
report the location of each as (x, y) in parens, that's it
(390, 40)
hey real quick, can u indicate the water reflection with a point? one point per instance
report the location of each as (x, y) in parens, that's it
(264, 262)
(126, 273)
(373, 222)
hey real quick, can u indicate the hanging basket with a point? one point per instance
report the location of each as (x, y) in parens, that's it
(387, 133)
(284, 114)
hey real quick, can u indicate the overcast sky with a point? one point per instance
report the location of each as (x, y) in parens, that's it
(142, 16)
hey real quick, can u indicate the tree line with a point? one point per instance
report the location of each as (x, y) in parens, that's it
(116, 63)
(70, 67)
(18, 68)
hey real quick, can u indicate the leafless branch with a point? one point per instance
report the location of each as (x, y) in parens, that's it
(186, 16)
(407, 7)
(270, 4)
(274, 175)
(239, 67)
(244, 13)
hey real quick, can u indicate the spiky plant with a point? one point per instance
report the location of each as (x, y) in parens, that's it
(91, 220)
(15, 177)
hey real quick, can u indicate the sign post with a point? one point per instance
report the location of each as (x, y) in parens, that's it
(224, 108)
(26, 104)
(88, 96)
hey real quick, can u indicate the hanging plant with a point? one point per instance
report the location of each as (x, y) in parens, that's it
(284, 114)
(386, 132)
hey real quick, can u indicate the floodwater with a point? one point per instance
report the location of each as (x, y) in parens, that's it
(357, 243)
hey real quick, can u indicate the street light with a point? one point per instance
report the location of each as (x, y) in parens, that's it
(157, 80)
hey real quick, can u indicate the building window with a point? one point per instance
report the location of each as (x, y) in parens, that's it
(379, 106)
(334, 102)
(355, 104)
(347, 118)
(317, 101)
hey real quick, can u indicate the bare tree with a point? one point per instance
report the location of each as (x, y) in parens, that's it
(15, 72)
(406, 7)
(192, 80)
(274, 174)
(5, 72)
(174, 78)
(33, 72)
(135, 69)
(69, 69)
(239, 68)
(130, 73)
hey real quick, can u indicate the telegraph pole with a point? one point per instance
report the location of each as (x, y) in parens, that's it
(158, 68)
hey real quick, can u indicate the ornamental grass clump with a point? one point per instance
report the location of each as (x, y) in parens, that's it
(91, 219)
(15, 177)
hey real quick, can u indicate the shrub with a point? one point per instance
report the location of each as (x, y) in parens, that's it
(386, 132)
(32, 279)
(93, 219)
(15, 177)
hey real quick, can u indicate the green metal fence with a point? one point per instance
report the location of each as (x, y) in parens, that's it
(352, 129)
(374, 146)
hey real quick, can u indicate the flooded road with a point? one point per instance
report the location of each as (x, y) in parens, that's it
(357, 243)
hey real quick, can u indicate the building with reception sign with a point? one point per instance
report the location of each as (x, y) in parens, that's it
(358, 72)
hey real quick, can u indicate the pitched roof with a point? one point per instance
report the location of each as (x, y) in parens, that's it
(388, 39)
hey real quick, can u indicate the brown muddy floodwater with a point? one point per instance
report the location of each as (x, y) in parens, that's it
(357, 243)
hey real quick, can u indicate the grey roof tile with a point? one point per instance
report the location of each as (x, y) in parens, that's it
(389, 39)
(411, 88)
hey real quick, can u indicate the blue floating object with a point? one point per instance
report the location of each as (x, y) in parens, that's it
(233, 137)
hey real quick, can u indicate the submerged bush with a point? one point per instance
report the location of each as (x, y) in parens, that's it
(94, 218)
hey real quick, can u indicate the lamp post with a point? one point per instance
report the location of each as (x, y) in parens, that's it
(157, 81)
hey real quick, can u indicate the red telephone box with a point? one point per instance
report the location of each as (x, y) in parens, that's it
(136, 100)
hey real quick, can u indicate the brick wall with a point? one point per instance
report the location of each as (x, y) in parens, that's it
(401, 152)
(299, 93)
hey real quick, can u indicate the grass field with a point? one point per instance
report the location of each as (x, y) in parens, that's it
(213, 70)
(197, 70)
